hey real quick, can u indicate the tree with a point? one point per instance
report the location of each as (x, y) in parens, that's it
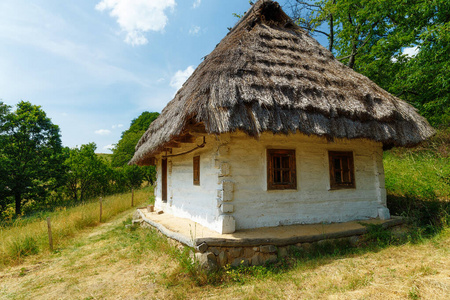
(370, 36)
(88, 175)
(30, 153)
(149, 174)
(134, 176)
(124, 150)
(4, 189)
(423, 80)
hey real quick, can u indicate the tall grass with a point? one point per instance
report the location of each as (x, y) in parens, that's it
(417, 174)
(27, 237)
(418, 183)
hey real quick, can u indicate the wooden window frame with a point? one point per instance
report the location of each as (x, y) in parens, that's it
(335, 183)
(272, 184)
(196, 170)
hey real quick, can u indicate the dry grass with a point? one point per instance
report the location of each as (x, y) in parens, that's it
(114, 262)
(97, 264)
(26, 238)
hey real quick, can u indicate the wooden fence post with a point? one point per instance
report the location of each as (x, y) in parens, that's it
(50, 237)
(101, 208)
(132, 197)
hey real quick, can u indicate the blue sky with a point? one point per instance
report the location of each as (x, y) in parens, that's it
(94, 65)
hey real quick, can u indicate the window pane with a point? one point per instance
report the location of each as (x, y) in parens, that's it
(276, 162)
(277, 177)
(286, 177)
(346, 177)
(337, 163)
(285, 161)
(345, 163)
(338, 177)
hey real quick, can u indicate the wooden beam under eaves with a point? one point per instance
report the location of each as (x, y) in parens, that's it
(185, 139)
(196, 129)
(173, 145)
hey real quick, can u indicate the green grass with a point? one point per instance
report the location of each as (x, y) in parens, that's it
(418, 183)
(417, 174)
(422, 172)
(30, 236)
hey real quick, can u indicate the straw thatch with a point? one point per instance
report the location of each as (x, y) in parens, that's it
(267, 74)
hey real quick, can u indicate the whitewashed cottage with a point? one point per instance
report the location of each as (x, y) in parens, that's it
(272, 130)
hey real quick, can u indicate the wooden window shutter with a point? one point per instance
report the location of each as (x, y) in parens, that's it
(196, 170)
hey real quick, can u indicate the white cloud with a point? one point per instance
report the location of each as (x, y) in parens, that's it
(136, 17)
(194, 30)
(180, 77)
(196, 3)
(117, 126)
(102, 132)
(411, 51)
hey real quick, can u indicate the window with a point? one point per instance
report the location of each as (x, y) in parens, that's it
(281, 173)
(342, 175)
(164, 180)
(196, 170)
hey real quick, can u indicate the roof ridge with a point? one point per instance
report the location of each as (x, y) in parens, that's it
(260, 10)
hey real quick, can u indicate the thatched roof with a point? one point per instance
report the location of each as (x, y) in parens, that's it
(268, 75)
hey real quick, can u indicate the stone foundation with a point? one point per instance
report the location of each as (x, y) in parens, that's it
(256, 256)
(211, 253)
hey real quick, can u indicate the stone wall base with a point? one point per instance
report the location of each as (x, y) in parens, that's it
(212, 257)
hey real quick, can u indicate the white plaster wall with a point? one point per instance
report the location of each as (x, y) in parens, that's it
(251, 204)
(312, 201)
(184, 199)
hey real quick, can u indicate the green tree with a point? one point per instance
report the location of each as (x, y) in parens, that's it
(370, 36)
(149, 174)
(134, 176)
(30, 154)
(4, 189)
(88, 175)
(124, 150)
